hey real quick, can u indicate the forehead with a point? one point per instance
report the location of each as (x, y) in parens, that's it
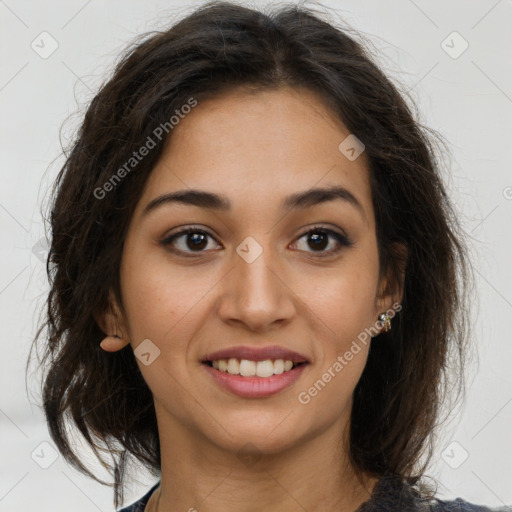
(256, 148)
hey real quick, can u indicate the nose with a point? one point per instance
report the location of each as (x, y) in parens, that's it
(256, 295)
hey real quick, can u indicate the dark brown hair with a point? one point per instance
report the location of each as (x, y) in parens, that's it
(398, 400)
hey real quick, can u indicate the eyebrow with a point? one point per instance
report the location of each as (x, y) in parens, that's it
(300, 200)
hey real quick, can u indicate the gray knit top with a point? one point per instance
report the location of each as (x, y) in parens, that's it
(391, 494)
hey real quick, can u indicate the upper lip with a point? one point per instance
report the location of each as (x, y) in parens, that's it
(256, 354)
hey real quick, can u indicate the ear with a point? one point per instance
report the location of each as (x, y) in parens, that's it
(391, 286)
(111, 322)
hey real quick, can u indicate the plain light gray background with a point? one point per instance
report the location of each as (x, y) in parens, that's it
(467, 97)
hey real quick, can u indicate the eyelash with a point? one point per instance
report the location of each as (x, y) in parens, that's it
(342, 240)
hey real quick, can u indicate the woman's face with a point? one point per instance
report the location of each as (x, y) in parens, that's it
(249, 275)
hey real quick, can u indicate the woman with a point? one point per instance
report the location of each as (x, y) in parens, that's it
(257, 276)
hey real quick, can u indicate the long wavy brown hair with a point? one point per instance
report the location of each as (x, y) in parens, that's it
(407, 379)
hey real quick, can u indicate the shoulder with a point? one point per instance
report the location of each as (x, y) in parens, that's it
(393, 494)
(140, 504)
(460, 505)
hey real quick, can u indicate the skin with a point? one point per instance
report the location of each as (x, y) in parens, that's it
(256, 149)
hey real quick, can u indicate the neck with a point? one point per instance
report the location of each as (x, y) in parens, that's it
(198, 475)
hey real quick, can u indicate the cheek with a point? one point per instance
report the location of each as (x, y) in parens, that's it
(351, 307)
(163, 305)
(342, 306)
(343, 300)
(341, 313)
(160, 303)
(158, 297)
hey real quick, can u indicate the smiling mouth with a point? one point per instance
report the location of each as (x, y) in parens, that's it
(248, 368)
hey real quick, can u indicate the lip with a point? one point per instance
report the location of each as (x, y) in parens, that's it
(256, 354)
(255, 387)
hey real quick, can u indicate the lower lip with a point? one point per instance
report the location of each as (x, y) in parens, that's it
(255, 387)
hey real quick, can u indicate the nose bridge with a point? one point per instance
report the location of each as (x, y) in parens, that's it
(257, 276)
(254, 292)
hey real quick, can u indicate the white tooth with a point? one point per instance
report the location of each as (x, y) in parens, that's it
(264, 368)
(278, 366)
(247, 368)
(233, 366)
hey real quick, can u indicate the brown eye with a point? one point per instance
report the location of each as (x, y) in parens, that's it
(194, 240)
(318, 240)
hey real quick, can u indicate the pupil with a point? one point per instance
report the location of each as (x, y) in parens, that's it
(198, 239)
(316, 238)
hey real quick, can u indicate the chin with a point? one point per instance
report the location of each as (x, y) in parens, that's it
(258, 438)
